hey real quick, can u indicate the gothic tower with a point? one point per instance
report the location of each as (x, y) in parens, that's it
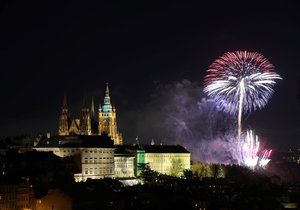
(92, 108)
(94, 118)
(108, 120)
(85, 120)
(63, 128)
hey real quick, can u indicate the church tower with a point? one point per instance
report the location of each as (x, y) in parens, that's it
(63, 128)
(108, 119)
(85, 120)
(92, 108)
(94, 118)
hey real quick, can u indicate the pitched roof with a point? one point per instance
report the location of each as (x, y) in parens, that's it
(155, 148)
(76, 141)
(123, 152)
(164, 149)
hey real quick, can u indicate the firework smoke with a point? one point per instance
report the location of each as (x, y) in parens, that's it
(179, 113)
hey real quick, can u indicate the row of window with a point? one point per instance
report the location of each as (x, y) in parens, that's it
(100, 151)
(128, 160)
(166, 160)
(64, 151)
(99, 162)
(95, 158)
(96, 171)
(106, 115)
(89, 151)
(123, 165)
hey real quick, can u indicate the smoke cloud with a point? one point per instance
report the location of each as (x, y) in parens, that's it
(179, 113)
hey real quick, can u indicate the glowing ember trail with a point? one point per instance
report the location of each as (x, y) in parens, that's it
(241, 97)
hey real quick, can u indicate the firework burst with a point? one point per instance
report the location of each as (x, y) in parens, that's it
(251, 156)
(240, 82)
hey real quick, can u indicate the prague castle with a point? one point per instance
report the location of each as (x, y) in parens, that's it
(89, 124)
(97, 146)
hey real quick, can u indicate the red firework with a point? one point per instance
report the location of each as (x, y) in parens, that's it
(237, 64)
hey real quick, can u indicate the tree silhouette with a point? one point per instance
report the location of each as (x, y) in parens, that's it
(147, 175)
(176, 167)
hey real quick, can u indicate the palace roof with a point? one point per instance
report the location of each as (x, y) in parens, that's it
(155, 148)
(76, 141)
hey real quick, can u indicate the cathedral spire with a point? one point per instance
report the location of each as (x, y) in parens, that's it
(107, 98)
(107, 90)
(108, 120)
(107, 105)
(85, 120)
(63, 128)
(92, 107)
(65, 100)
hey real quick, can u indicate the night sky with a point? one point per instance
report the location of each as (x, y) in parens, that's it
(48, 47)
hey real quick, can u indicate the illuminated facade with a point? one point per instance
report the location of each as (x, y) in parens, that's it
(165, 159)
(98, 157)
(89, 124)
(168, 163)
(96, 163)
(108, 120)
(96, 154)
(124, 164)
(85, 120)
(168, 159)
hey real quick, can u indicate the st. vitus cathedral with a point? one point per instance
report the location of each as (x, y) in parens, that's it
(89, 123)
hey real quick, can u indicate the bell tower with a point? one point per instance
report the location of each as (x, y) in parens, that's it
(63, 128)
(85, 120)
(108, 119)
